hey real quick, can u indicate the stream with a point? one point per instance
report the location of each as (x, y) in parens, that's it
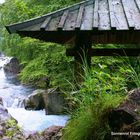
(13, 94)
(2, 1)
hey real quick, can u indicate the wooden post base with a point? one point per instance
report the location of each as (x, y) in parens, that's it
(82, 58)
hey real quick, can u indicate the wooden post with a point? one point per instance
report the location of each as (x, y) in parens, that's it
(82, 57)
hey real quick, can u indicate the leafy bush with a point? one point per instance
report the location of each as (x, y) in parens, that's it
(49, 60)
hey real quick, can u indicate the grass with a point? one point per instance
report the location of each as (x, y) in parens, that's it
(103, 89)
(93, 102)
(90, 119)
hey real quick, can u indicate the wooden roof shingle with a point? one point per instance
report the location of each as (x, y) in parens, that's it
(108, 21)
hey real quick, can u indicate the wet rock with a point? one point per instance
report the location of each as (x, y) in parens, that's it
(126, 117)
(1, 54)
(9, 130)
(1, 101)
(12, 67)
(4, 115)
(1, 133)
(127, 112)
(54, 101)
(35, 136)
(52, 133)
(8, 125)
(35, 100)
(6, 138)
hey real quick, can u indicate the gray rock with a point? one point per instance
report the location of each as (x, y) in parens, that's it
(1, 101)
(6, 138)
(53, 133)
(4, 115)
(54, 101)
(35, 100)
(12, 67)
(10, 131)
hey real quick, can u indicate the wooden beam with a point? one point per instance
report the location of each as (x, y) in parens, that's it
(112, 15)
(137, 4)
(107, 52)
(95, 15)
(79, 18)
(128, 15)
(63, 19)
(82, 46)
(45, 23)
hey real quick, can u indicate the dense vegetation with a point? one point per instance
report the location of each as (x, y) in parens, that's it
(30, 51)
(105, 86)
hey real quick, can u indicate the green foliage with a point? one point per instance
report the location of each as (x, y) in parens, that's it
(103, 80)
(33, 71)
(12, 124)
(38, 58)
(49, 60)
(131, 66)
(103, 89)
(90, 120)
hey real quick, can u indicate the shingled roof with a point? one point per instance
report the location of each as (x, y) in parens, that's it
(107, 21)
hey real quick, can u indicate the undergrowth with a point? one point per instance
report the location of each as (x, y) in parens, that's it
(89, 121)
(104, 88)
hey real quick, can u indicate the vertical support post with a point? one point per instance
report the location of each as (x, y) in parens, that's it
(82, 58)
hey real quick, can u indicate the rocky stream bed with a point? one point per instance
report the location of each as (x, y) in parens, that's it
(40, 120)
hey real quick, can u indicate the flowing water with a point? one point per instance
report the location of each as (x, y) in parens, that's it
(2, 1)
(13, 94)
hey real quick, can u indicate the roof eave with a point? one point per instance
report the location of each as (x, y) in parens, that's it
(13, 28)
(9, 30)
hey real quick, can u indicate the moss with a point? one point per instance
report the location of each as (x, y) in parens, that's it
(11, 127)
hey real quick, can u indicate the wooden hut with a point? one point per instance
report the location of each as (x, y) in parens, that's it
(86, 23)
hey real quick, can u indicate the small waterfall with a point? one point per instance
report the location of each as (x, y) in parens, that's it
(2, 1)
(11, 91)
(18, 103)
(13, 94)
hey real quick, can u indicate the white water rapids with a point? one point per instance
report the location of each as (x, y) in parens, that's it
(2, 1)
(13, 93)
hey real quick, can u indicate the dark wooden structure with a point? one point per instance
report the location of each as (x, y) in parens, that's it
(91, 21)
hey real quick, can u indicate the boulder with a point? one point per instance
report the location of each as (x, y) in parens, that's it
(54, 101)
(1, 101)
(35, 100)
(8, 125)
(1, 54)
(12, 67)
(53, 133)
(126, 117)
(4, 115)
